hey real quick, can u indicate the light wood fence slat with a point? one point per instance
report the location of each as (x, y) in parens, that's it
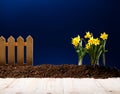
(29, 50)
(11, 50)
(2, 50)
(20, 50)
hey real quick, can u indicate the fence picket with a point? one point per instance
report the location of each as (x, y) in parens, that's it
(11, 50)
(2, 51)
(20, 50)
(29, 50)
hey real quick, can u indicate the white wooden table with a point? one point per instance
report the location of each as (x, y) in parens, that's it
(59, 86)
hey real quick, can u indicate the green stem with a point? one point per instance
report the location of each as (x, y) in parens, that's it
(97, 61)
(103, 56)
(80, 59)
(94, 61)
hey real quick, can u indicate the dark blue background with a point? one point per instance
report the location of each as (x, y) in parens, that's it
(53, 23)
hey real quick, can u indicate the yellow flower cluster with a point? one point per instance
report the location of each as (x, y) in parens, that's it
(94, 41)
(76, 40)
(95, 47)
(91, 39)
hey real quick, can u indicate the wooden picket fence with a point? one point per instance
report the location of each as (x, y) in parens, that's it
(12, 52)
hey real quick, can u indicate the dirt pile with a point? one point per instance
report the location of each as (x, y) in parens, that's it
(58, 71)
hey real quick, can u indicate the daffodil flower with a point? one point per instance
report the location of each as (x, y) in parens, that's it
(91, 41)
(76, 40)
(104, 36)
(87, 46)
(88, 35)
(96, 41)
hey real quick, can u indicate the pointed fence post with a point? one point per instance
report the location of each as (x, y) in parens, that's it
(11, 51)
(2, 51)
(29, 50)
(20, 51)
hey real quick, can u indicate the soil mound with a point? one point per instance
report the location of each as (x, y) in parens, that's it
(58, 71)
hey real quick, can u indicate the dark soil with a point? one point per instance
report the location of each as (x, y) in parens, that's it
(58, 71)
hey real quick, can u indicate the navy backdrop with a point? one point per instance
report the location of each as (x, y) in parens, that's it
(53, 23)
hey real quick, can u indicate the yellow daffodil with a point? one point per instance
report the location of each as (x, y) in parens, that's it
(76, 40)
(104, 36)
(91, 41)
(87, 46)
(88, 35)
(96, 41)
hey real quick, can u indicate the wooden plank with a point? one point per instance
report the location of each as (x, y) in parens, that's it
(54, 86)
(59, 86)
(5, 83)
(2, 51)
(38, 86)
(20, 51)
(11, 51)
(110, 85)
(80, 86)
(29, 50)
(86, 86)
